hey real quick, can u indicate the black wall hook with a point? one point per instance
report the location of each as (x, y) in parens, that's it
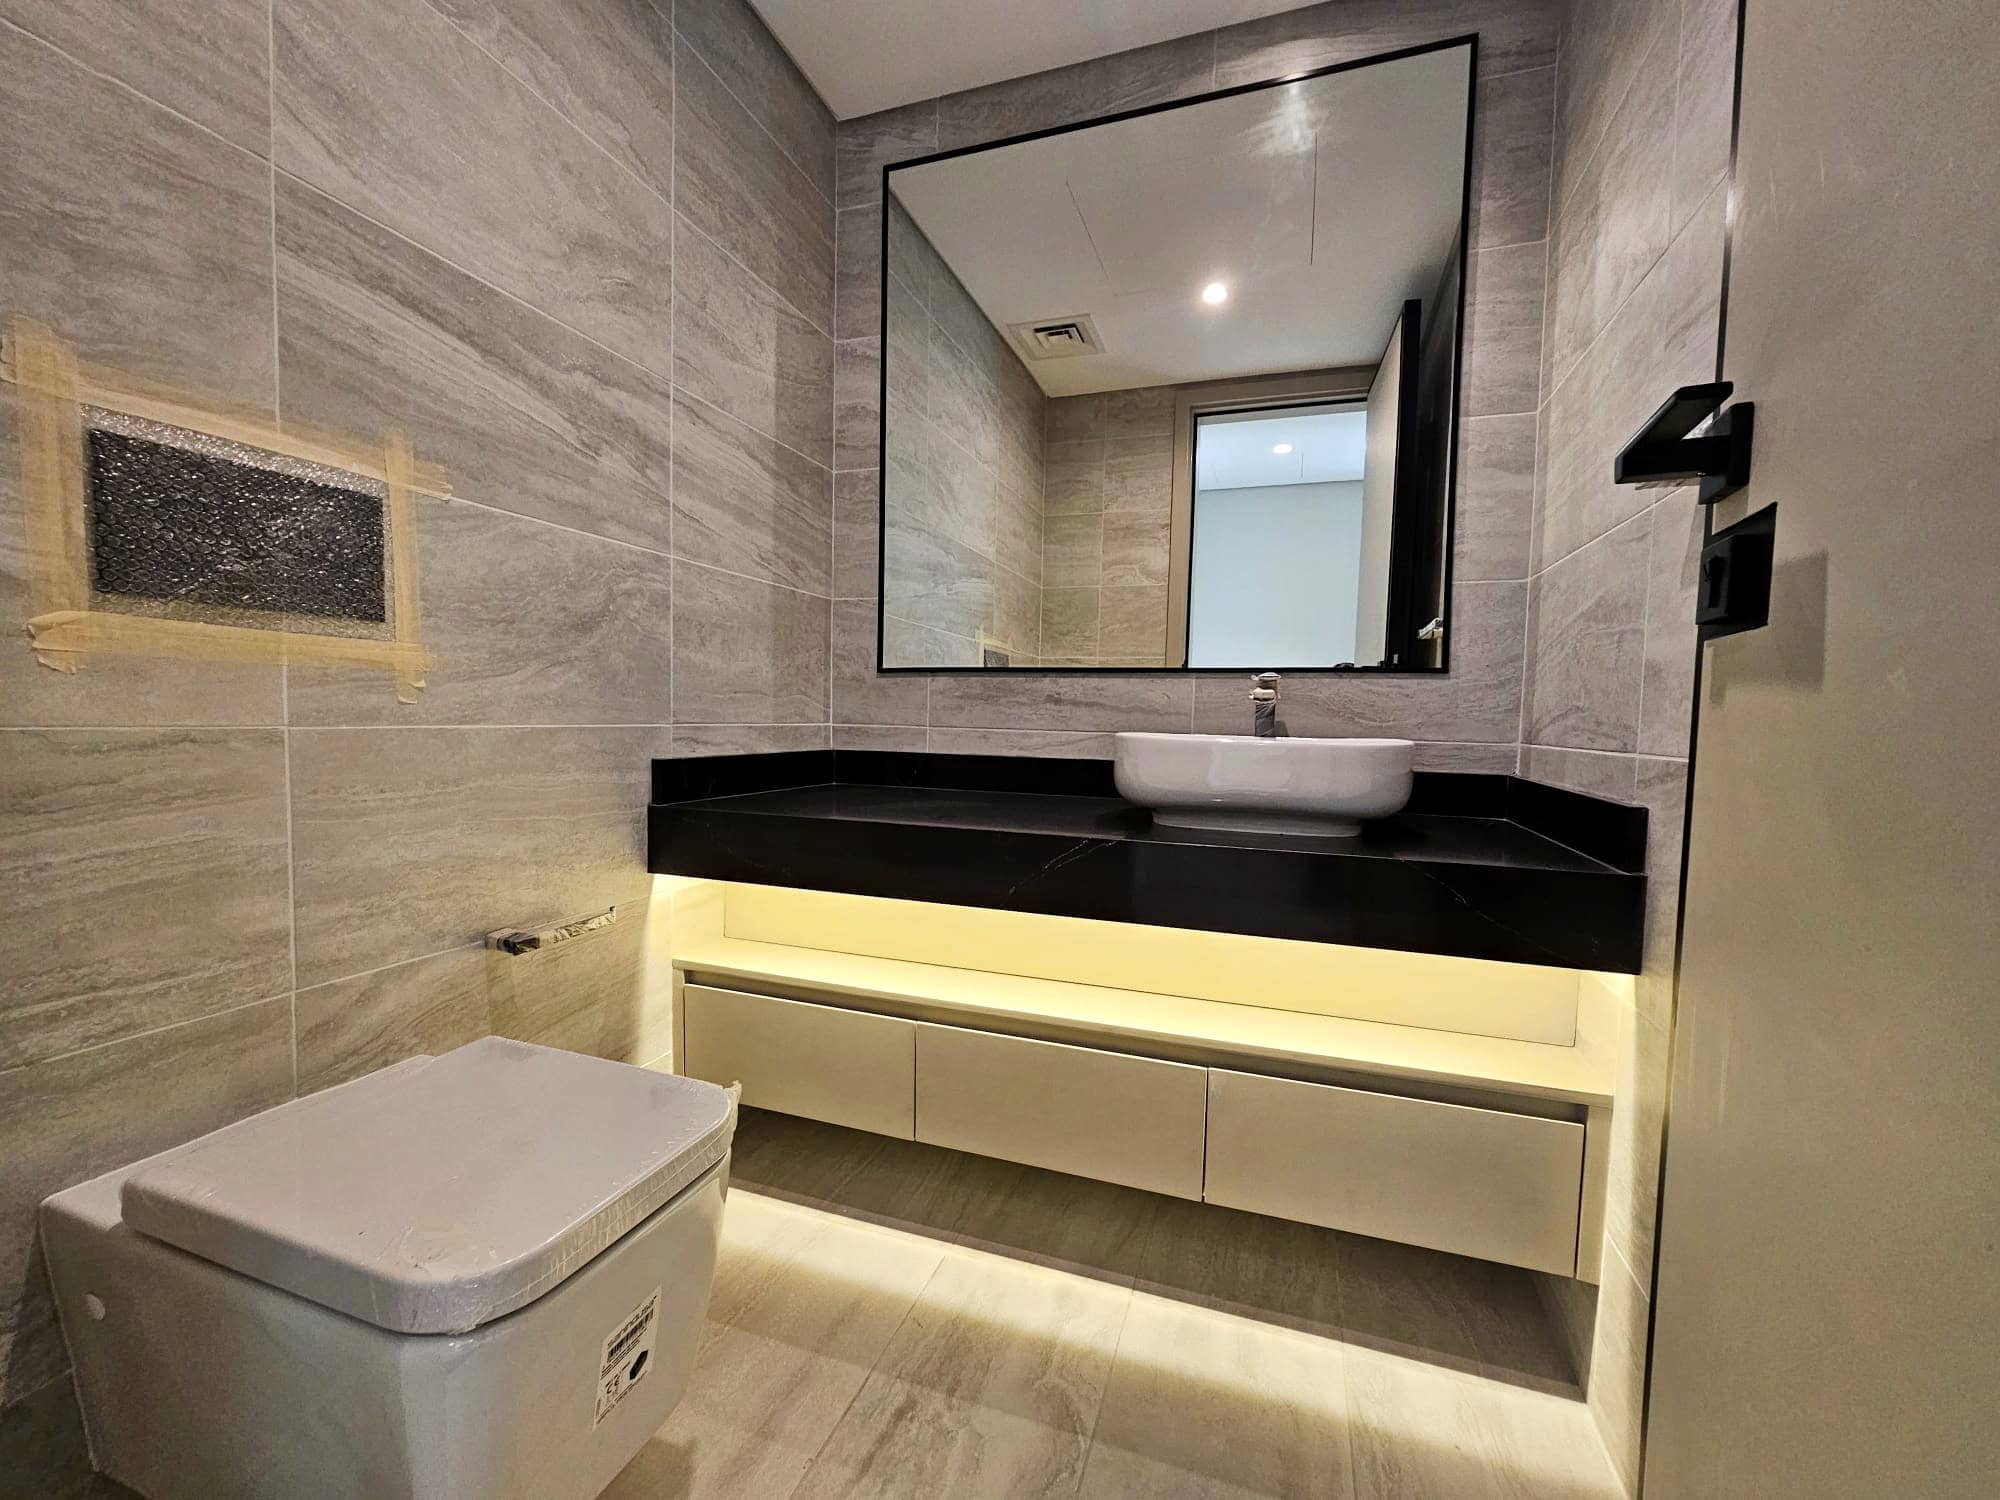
(1663, 453)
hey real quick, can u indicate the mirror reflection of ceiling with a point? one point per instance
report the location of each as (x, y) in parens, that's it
(1306, 445)
(1322, 205)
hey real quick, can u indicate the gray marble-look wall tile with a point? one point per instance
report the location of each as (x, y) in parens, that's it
(857, 416)
(1077, 744)
(1132, 627)
(1663, 337)
(908, 644)
(413, 841)
(1498, 760)
(1001, 700)
(1018, 533)
(1017, 614)
(1662, 786)
(1072, 551)
(910, 737)
(861, 695)
(742, 347)
(1493, 517)
(1144, 411)
(1135, 550)
(747, 652)
(593, 994)
(1666, 711)
(747, 739)
(523, 413)
(388, 107)
(68, 1119)
(1704, 103)
(1603, 45)
(1600, 773)
(738, 187)
(108, 840)
(858, 277)
(1587, 633)
(1503, 330)
(747, 58)
(1478, 701)
(1613, 221)
(1073, 419)
(1512, 37)
(935, 580)
(529, 624)
(210, 62)
(607, 65)
(857, 534)
(1139, 475)
(865, 145)
(1073, 482)
(1618, 1367)
(142, 239)
(1512, 149)
(748, 504)
(1071, 619)
(1166, 71)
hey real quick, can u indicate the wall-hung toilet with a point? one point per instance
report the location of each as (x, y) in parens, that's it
(479, 1276)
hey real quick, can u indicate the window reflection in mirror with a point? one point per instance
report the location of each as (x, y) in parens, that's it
(1178, 389)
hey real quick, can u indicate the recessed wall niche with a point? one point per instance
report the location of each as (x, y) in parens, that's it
(162, 526)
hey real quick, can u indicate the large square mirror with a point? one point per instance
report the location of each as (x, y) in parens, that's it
(1177, 389)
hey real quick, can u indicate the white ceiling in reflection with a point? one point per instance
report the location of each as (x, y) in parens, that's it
(1239, 452)
(1322, 204)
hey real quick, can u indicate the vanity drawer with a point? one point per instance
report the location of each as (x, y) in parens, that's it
(1132, 1120)
(1478, 1182)
(846, 1067)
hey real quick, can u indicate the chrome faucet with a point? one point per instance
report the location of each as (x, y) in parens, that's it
(1264, 705)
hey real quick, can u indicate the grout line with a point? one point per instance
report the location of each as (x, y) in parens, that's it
(734, 259)
(320, 984)
(756, 119)
(119, 1041)
(818, 463)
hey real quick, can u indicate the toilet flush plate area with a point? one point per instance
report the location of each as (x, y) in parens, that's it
(1241, 783)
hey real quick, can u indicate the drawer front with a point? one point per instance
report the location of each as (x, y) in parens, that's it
(846, 1067)
(1478, 1182)
(1072, 1109)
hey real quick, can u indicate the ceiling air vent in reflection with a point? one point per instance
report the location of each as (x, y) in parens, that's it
(1058, 338)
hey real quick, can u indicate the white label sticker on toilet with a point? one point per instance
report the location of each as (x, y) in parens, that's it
(628, 1356)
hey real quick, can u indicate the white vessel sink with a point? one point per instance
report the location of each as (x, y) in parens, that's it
(1248, 785)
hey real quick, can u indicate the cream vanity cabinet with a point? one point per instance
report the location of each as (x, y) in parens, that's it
(1483, 1179)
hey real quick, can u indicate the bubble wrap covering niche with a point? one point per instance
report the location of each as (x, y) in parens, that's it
(183, 517)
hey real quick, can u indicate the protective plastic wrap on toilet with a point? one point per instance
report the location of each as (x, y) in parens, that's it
(442, 1193)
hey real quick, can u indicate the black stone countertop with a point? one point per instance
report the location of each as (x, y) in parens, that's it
(1478, 866)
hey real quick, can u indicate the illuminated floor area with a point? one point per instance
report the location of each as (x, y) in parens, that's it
(894, 1320)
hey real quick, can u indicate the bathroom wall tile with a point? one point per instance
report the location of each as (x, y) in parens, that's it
(1512, 148)
(1072, 551)
(413, 841)
(1603, 47)
(607, 65)
(1484, 759)
(1477, 701)
(1018, 533)
(596, 994)
(1074, 478)
(1145, 411)
(749, 61)
(934, 580)
(861, 695)
(1017, 612)
(1076, 744)
(1614, 220)
(1503, 332)
(129, 690)
(1512, 38)
(740, 346)
(1618, 1366)
(1073, 419)
(1071, 620)
(749, 504)
(1704, 102)
(523, 414)
(1667, 701)
(747, 739)
(1493, 518)
(747, 652)
(737, 186)
(1663, 337)
(1132, 628)
(866, 144)
(858, 278)
(1139, 474)
(529, 624)
(1631, 1193)
(908, 644)
(1587, 633)
(857, 416)
(941, 488)
(140, 238)
(210, 64)
(68, 1119)
(389, 108)
(857, 534)
(879, 737)
(42, 1447)
(1600, 773)
(1662, 787)
(990, 1386)
(1177, 69)
(1072, 704)
(110, 838)
(1135, 550)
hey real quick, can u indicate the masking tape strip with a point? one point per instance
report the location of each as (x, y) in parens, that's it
(54, 389)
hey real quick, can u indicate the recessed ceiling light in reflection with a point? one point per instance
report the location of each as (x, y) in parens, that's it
(1215, 293)
(1281, 449)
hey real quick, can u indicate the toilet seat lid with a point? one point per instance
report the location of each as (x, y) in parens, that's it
(440, 1193)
